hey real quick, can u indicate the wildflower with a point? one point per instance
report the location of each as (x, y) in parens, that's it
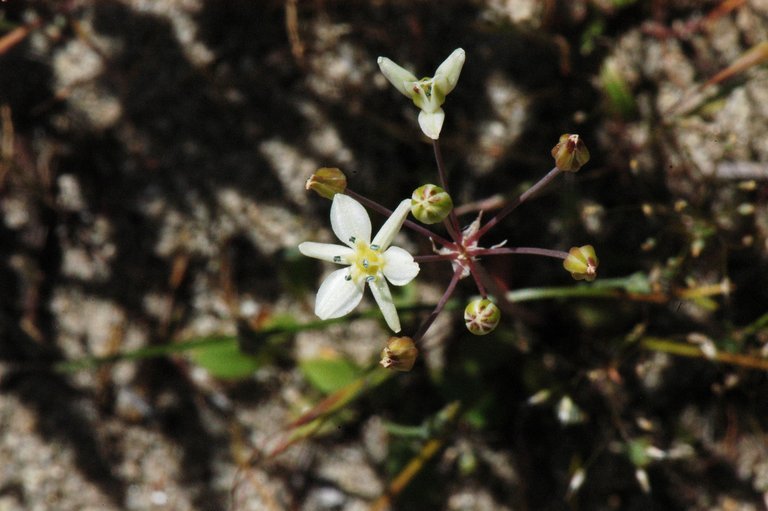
(428, 93)
(582, 263)
(327, 182)
(570, 153)
(430, 204)
(373, 262)
(399, 354)
(482, 316)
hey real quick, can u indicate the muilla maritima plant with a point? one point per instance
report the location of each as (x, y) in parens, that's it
(375, 263)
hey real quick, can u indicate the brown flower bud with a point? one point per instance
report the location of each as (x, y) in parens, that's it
(570, 153)
(327, 182)
(399, 354)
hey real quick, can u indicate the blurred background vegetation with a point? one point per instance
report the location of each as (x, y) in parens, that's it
(158, 348)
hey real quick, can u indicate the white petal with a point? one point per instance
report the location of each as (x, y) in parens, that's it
(349, 220)
(337, 296)
(326, 252)
(447, 75)
(392, 226)
(432, 123)
(383, 298)
(400, 268)
(397, 76)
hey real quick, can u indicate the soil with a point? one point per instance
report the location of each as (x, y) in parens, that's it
(153, 157)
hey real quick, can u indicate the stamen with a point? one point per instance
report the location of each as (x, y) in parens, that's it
(375, 247)
(347, 277)
(352, 239)
(370, 278)
(336, 259)
(365, 263)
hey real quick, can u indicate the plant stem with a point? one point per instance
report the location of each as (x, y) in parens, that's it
(688, 350)
(530, 192)
(444, 184)
(440, 305)
(433, 258)
(474, 270)
(557, 254)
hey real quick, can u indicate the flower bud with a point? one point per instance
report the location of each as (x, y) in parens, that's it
(399, 354)
(327, 182)
(481, 316)
(570, 153)
(582, 263)
(430, 204)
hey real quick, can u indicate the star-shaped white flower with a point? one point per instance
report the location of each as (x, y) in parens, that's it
(428, 93)
(374, 262)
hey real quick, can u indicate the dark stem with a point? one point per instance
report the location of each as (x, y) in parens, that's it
(433, 258)
(456, 235)
(408, 223)
(558, 254)
(440, 305)
(530, 192)
(473, 270)
(444, 184)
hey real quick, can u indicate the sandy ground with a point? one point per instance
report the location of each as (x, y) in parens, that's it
(154, 155)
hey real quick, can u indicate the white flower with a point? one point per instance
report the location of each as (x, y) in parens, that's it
(374, 262)
(428, 93)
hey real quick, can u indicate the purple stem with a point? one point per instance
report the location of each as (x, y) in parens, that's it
(473, 270)
(558, 254)
(433, 258)
(388, 212)
(444, 184)
(440, 305)
(522, 198)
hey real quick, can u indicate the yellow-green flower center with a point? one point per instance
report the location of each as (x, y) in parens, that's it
(367, 262)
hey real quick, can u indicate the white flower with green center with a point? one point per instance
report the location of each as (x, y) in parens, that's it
(373, 262)
(428, 93)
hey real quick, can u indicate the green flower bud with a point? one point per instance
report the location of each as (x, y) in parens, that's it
(481, 316)
(430, 204)
(570, 153)
(327, 182)
(399, 354)
(582, 263)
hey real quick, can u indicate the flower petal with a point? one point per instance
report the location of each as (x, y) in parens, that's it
(326, 252)
(447, 75)
(397, 76)
(432, 123)
(400, 268)
(383, 298)
(392, 226)
(337, 296)
(349, 220)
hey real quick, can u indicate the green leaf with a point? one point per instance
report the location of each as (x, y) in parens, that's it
(329, 374)
(225, 360)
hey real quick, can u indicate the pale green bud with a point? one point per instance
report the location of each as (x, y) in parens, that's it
(399, 354)
(447, 74)
(430, 204)
(570, 153)
(582, 263)
(401, 78)
(482, 316)
(327, 182)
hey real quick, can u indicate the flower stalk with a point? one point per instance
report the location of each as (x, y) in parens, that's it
(377, 264)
